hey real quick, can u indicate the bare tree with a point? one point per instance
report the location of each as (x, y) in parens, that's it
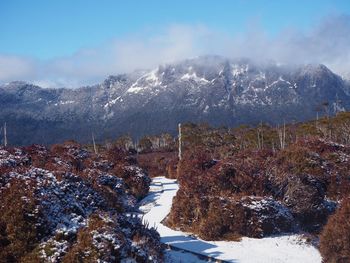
(326, 109)
(337, 105)
(282, 135)
(180, 142)
(5, 135)
(93, 141)
(260, 133)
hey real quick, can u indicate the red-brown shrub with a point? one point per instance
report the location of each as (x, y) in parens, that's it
(217, 218)
(43, 191)
(335, 237)
(298, 178)
(18, 231)
(155, 163)
(171, 168)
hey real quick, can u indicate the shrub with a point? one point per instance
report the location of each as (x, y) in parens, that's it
(214, 218)
(297, 179)
(335, 237)
(18, 229)
(155, 163)
(48, 195)
(136, 181)
(171, 168)
(300, 177)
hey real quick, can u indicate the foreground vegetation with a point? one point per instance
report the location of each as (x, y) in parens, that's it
(65, 204)
(68, 204)
(261, 181)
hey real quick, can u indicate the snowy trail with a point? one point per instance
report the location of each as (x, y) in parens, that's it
(282, 249)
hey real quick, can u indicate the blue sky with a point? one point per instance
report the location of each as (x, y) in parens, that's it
(47, 29)
(76, 42)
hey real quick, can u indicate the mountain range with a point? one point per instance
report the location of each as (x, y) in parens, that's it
(212, 89)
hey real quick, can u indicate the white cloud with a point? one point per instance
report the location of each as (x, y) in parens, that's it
(328, 43)
(13, 67)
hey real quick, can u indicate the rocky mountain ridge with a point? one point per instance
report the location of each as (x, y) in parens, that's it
(209, 89)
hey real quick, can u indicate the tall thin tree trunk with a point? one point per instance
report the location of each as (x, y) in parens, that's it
(262, 136)
(93, 141)
(180, 142)
(279, 132)
(5, 135)
(284, 134)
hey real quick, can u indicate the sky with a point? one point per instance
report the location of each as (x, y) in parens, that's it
(73, 43)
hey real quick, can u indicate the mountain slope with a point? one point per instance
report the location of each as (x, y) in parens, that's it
(205, 89)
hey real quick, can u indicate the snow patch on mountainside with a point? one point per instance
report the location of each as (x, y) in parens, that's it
(193, 76)
(148, 80)
(238, 70)
(112, 102)
(64, 102)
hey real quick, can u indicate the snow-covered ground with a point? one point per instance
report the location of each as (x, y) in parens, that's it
(172, 256)
(286, 249)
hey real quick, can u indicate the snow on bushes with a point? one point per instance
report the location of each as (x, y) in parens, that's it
(68, 205)
(257, 193)
(136, 180)
(114, 238)
(218, 218)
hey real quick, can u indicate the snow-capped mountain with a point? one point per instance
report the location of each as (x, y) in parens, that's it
(209, 89)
